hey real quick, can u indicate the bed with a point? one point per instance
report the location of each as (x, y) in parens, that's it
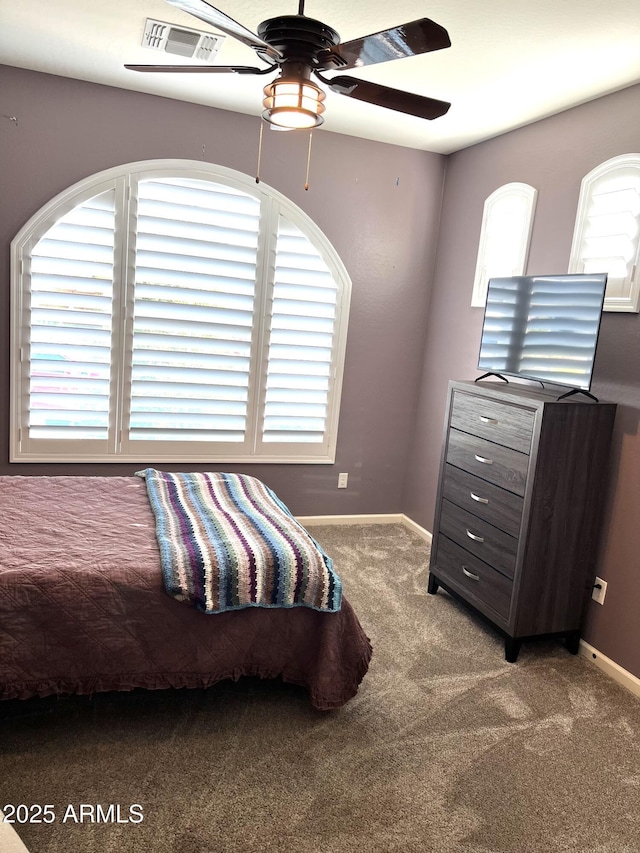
(84, 608)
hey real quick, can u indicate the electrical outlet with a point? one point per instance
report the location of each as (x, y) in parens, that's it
(599, 590)
(343, 479)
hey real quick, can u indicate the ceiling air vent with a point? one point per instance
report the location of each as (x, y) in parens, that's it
(181, 41)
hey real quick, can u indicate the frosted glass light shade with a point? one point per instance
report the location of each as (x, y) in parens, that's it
(293, 104)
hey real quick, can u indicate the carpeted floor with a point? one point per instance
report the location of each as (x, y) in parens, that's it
(446, 747)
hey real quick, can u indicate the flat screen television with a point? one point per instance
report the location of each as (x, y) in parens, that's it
(543, 327)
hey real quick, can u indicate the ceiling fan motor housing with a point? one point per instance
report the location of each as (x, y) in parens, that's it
(298, 38)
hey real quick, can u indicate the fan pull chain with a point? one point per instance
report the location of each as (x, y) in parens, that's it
(306, 183)
(259, 153)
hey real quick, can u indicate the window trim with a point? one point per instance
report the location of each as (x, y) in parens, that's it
(629, 301)
(122, 178)
(514, 189)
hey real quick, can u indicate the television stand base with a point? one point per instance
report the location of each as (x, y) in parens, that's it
(499, 375)
(504, 378)
(578, 391)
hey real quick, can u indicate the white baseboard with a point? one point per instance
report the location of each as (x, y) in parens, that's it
(611, 668)
(382, 518)
(413, 525)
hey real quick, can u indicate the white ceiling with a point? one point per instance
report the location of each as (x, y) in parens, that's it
(511, 61)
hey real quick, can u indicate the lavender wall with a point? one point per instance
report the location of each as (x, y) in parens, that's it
(378, 204)
(552, 155)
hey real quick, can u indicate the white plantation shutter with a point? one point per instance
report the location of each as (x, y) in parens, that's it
(71, 310)
(607, 231)
(181, 314)
(303, 314)
(505, 234)
(612, 225)
(195, 282)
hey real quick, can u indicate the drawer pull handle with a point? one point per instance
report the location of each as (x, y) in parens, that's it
(485, 420)
(474, 536)
(479, 499)
(470, 574)
(483, 459)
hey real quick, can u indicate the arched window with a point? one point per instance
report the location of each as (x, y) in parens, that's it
(607, 231)
(505, 233)
(175, 311)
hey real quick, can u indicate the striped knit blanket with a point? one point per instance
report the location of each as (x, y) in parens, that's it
(228, 542)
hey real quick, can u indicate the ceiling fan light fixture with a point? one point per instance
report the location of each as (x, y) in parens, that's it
(293, 103)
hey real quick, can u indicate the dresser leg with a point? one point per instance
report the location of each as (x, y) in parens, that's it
(572, 642)
(511, 649)
(432, 586)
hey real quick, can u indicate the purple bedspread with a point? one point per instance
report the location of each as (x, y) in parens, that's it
(83, 606)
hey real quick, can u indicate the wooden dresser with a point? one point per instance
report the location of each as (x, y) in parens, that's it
(520, 496)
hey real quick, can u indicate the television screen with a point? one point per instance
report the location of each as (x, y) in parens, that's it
(543, 327)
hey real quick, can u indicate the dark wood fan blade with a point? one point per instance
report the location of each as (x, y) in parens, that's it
(200, 69)
(392, 99)
(210, 15)
(410, 39)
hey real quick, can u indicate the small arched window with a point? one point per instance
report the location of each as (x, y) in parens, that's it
(175, 311)
(505, 234)
(607, 231)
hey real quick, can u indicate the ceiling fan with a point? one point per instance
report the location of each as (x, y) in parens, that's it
(297, 46)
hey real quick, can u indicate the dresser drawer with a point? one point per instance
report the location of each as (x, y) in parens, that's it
(481, 585)
(499, 507)
(491, 545)
(511, 426)
(499, 465)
